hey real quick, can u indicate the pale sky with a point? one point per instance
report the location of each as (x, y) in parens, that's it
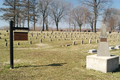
(116, 4)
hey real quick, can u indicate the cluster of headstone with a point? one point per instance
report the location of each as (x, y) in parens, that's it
(83, 37)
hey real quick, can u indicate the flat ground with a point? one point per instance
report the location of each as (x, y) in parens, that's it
(53, 60)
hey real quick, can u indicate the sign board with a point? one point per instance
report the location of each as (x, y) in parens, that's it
(103, 39)
(21, 36)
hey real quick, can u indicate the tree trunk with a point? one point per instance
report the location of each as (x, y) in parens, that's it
(14, 12)
(95, 26)
(80, 28)
(57, 25)
(46, 26)
(92, 26)
(74, 27)
(28, 13)
(34, 20)
(34, 24)
(43, 23)
(46, 21)
(17, 20)
(95, 15)
(111, 29)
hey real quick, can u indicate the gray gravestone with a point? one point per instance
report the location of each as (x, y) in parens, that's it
(50, 40)
(103, 48)
(43, 37)
(30, 42)
(64, 38)
(31, 34)
(111, 48)
(82, 42)
(5, 39)
(18, 43)
(5, 43)
(37, 34)
(40, 40)
(89, 41)
(73, 43)
(117, 47)
(96, 40)
(29, 38)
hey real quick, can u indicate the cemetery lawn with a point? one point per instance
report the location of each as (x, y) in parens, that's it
(52, 60)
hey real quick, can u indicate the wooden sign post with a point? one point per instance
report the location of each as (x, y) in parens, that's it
(17, 36)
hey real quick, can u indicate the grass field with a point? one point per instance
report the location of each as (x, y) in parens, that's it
(53, 60)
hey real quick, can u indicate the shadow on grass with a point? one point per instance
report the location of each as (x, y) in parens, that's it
(118, 69)
(54, 64)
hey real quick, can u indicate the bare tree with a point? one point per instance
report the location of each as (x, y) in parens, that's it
(110, 18)
(43, 9)
(10, 12)
(96, 6)
(35, 8)
(17, 10)
(73, 22)
(90, 19)
(78, 15)
(71, 6)
(118, 18)
(59, 9)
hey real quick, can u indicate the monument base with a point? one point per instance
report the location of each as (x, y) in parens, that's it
(102, 63)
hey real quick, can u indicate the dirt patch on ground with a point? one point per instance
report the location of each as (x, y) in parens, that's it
(43, 45)
(38, 46)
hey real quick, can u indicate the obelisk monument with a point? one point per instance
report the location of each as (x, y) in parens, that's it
(103, 48)
(102, 61)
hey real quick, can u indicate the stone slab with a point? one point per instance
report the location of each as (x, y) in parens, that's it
(117, 47)
(111, 48)
(92, 51)
(104, 64)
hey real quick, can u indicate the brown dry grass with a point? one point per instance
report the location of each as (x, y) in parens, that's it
(51, 61)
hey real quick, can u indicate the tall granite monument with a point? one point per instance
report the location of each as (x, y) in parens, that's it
(103, 48)
(103, 61)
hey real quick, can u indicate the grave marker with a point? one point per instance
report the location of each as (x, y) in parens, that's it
(30, 42)
(40, 40)
(5, 43)
(111, 48)
(89, 41)
(117, 47)
(82, 42)
(18, 43)
(73, 43)
(103, 48)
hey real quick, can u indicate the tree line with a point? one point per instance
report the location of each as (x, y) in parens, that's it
(54, 11)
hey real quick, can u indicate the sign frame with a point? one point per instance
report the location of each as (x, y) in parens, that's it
(11, 42)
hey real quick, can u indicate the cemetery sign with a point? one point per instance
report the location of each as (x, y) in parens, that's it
(20, 36)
